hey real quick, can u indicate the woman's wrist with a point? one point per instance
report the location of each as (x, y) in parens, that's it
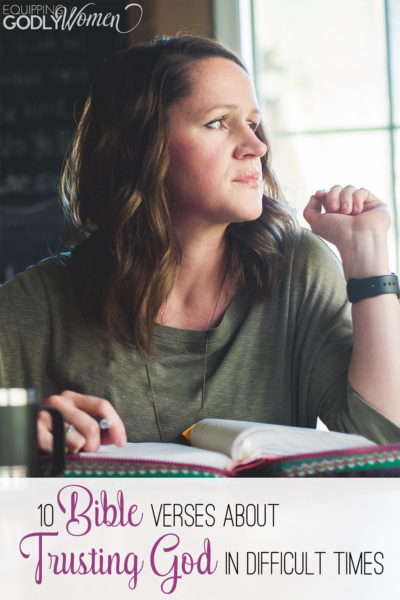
(365, 254)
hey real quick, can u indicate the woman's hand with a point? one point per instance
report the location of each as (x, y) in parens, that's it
(78, 410)
(357, 223)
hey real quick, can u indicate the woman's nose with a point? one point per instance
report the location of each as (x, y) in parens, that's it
(250, 144)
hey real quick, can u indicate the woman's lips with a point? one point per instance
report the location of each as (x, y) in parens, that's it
(249, 178)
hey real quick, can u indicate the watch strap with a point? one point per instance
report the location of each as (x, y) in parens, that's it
(359, 289)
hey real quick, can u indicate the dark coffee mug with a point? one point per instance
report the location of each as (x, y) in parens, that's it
(19, 451)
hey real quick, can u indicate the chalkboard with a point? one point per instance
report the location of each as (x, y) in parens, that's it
(45, 79)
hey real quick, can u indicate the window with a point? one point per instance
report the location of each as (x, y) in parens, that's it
(328, 81)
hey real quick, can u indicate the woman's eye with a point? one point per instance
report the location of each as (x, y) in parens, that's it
(217, 124)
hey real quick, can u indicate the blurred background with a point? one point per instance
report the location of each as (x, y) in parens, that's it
(327, 74)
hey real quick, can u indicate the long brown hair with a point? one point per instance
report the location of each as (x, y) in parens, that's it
(125, 256)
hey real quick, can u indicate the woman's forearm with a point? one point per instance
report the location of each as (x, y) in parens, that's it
(374, 371)
(357, 222)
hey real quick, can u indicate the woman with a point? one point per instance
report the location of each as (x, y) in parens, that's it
(190, 292)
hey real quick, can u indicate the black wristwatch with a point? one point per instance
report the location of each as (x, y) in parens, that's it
(359, 289)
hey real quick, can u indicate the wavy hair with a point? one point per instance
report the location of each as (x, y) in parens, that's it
(124, 254)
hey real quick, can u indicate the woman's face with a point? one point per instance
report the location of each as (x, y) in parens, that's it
(215, 169)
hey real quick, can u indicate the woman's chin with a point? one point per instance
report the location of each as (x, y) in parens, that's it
(250, 212)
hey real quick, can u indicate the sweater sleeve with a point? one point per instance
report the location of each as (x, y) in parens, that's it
(324, 345)
(24, 331)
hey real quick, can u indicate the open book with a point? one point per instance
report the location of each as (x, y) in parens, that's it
(231, 445)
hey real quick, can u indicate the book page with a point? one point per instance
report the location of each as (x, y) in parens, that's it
(243, 439)
(280, 440)
(173, 453)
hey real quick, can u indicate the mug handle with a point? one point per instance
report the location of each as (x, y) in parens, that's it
(58, 440)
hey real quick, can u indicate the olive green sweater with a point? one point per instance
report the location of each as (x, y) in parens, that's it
(284, 361)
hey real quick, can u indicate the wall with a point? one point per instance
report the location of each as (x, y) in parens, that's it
(45, 79)
(168, 17)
